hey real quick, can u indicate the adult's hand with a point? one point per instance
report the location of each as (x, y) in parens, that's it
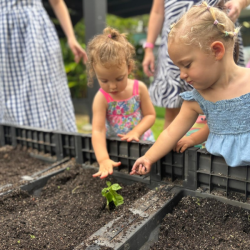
(149, 62)
(77, 50)
(235, 7)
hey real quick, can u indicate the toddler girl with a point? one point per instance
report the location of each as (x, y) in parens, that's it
(201, 44)
(122, 103)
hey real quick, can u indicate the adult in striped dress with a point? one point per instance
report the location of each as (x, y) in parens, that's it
(167, 85)
(33, 83)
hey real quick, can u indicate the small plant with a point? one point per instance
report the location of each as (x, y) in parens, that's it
(32, 236)
(198, 202)
(111, 194)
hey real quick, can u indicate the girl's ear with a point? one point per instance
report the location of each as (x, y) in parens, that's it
(218, 50)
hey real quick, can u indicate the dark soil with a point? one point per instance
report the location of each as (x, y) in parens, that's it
(205, 224)
(16, 163)
(70, 209)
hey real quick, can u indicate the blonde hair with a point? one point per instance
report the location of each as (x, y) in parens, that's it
(109, 49)
(202, 25)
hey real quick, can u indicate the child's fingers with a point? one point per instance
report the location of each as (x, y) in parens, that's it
(132, 139)
(97, 174)
(110, 171)
(104, 174)
(176, 147)
(123, 137)
(184, 147)
(132, 172)
(116, 164)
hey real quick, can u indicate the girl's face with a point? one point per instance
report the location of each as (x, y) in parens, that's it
(112, 79)
(197, 68)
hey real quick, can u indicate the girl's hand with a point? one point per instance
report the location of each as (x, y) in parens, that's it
(130, 136)
(106, 168)
(77, 50)
(183, 144)
(149, 62)
(142, 166)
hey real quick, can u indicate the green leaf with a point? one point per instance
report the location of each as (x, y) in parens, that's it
(104, 191)
(109, 197)
(32, 236)
(108, 183)
(70, 67)
(116, 187)
(18, 241)
(118, 200)
(72, 84)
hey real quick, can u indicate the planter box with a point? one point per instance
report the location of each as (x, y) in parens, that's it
(35, 181)
(68, 207)
(193, 169)
(194, 173)
(143, 231)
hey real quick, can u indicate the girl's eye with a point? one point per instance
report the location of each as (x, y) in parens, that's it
(119, 79)
(103, 81)
(187, 66)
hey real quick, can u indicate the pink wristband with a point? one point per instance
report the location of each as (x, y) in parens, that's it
(148, 45)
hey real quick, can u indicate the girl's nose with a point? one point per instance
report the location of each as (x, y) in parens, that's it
(112, 86)
(183, 75)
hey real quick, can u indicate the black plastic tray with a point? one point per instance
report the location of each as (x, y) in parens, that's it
(142, 235)
(194, 169)
(34, 186)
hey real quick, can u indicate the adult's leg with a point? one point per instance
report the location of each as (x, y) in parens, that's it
(170, 114)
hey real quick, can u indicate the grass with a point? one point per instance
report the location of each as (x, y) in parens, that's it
(157, 128)
(160, 112)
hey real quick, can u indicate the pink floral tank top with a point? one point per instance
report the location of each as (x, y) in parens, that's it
(123, 115)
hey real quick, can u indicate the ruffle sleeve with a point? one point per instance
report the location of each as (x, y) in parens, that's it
(187, 96)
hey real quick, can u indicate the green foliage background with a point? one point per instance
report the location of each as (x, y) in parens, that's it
(76, 73)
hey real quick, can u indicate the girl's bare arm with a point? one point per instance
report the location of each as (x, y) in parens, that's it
(99, 137)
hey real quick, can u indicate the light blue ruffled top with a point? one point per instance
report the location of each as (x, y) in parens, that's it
(229, 125)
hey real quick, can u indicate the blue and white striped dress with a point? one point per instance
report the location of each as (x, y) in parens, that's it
(33, 83)
(167, 85)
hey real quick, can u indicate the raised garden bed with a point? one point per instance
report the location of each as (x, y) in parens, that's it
(16, 163)
(18, 168)
(205, 223)
(69, 210)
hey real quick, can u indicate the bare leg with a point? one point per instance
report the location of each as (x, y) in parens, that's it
(170, 115)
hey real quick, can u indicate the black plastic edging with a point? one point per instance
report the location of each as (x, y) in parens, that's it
(135, 235)
(197, 168)
(139, 236)
(2, 140)
(35, 185)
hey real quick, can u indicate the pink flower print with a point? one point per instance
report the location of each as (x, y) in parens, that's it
(119, 110)
(117, 120)
(128, 125)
